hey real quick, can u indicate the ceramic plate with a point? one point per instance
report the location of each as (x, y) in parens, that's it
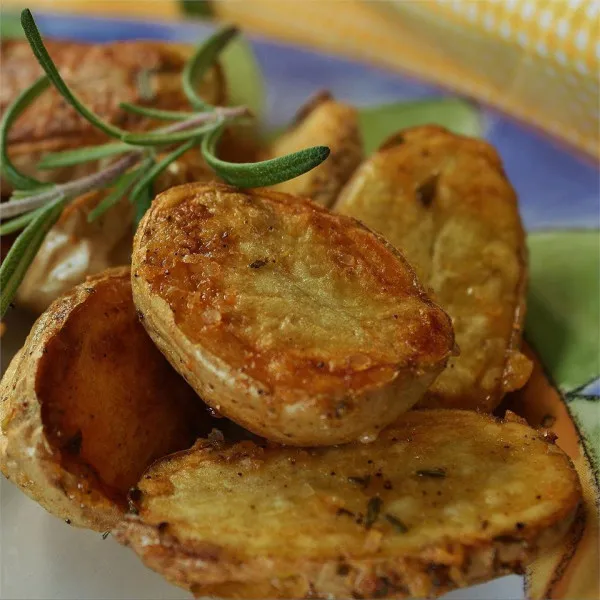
(42, 557)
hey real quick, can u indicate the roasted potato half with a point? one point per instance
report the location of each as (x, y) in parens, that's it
(102, 75)
(75, 248)
(322, 121)
(302, 326)
(444, 201)
(442, 499)
(89, 402)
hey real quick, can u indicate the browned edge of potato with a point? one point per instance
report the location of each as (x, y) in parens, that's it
(89, 402)
(444, 201)
(302, 326)
(442, 499)
(322, 121)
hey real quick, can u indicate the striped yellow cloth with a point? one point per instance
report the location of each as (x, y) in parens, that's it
(535, 59)
(538, 60)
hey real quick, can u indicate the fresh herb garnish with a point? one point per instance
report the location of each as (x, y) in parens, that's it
(373, 509)
(396, 523)
(438, 473)
(35, 206)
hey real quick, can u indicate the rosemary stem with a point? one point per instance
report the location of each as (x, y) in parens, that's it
(220, 112)
(73, 188)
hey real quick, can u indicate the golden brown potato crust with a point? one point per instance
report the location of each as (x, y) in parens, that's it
(300, 325)
(323, 121)
(89, 402)
(442, 499)
(444, 201)
(102, 76)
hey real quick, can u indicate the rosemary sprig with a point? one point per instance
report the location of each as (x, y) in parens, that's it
(23, 251)
(35, 206)
(156, 113)
(120, 187)
(68, 158)
(25, 98)
(201, 61)
(265, 173)
(37, 45)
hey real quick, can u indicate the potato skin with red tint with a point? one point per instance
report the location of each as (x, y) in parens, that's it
(89, 402)
(302, 326)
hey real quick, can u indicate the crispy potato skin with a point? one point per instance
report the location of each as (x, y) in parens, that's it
(75, 249)
(302, 326)
(102, 75)
(444, 201)
(241, 520)
(89, 402)
(322, 121)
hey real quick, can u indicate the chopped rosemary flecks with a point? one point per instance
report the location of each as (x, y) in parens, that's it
(396, 523)
(362, 481)
(373, 509)
(438, 473)
(35, 206)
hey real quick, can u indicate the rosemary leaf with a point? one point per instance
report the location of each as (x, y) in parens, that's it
(156, 113)
(265, 173)
(201, 61)
(69, 158)
(25, 98)
(155, 138)
(143, 202)
(37, 45)
(145, 182)
(20, 222)
(23, 252)
(121, 187)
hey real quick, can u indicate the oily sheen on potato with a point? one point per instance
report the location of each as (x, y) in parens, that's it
(442, 499)
(444, 201)
(302, 326)
(89, 402)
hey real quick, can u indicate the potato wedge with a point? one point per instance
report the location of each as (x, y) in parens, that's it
(141, 72)
(300, 325)
(444, 201)
(75, 249)
(322, 121)
(89, 402)
(442, 499)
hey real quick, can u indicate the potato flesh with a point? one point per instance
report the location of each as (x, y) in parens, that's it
(108, 396)
(435, 481)
(445, 203)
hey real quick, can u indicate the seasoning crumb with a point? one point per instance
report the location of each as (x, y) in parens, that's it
(257, 264)
(438, 473)
(362, 481)
(105, 535)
